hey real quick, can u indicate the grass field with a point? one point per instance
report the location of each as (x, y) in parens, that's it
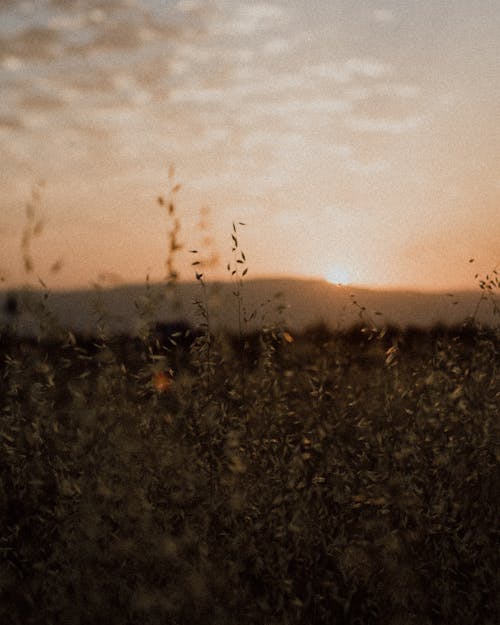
(321, 478)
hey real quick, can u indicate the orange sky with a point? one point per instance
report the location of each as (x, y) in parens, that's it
(358, 141)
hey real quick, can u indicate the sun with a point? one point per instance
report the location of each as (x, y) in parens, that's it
(337, 274)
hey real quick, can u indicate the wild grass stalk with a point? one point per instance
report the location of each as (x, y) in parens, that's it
(238, 269)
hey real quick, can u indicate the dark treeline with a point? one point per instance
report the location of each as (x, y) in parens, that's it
(179, 336)
(177, 344)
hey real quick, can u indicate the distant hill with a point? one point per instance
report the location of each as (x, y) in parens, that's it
(293, 302)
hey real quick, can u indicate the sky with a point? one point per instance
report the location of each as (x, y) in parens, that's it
(357, 141)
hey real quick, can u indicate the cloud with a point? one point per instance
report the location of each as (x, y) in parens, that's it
(383, 16)
(251, 87)
(120, 37)
(301, 107)
(33, 43)
(371, 167)
(192, 51)
(198, 96)
(275, 140)
(248, 18)
(398, 90)
(42, 101)
(11, 122)
(381, 125)
(277, 46)
(188, 6)
(92, 5)
(346, 71)
(81, 81)
(11, 63)
(69, 22)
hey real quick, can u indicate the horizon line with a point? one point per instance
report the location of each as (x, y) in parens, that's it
(118, 283)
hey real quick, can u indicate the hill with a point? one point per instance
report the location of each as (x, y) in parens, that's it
(295, 303)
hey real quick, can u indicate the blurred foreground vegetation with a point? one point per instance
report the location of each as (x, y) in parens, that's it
(340, 478)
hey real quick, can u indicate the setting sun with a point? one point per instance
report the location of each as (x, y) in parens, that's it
(336, 274)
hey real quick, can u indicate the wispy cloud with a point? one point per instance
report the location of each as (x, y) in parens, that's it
(398, 90)
(388, 126)
(11, 122)
(277, 140)
(277, 46)
(305, 107)
(32, 43)
(189, 6)
(247, 18)
(383, 16)
(349, 69)
(11, 63)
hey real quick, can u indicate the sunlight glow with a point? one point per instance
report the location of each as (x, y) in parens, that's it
(337, 274)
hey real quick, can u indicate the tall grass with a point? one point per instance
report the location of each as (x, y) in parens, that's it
(324, 478)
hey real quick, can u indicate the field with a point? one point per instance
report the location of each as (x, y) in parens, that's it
(340, 478)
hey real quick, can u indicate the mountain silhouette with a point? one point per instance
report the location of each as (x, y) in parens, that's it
(294, 303)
